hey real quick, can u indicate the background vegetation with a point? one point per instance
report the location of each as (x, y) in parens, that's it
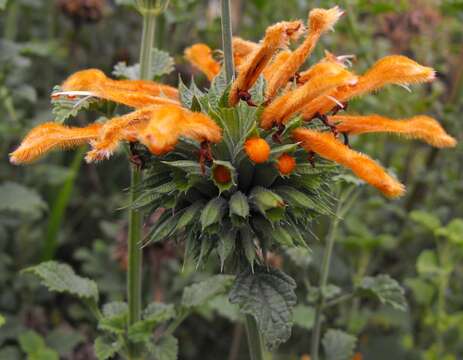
(63, 209)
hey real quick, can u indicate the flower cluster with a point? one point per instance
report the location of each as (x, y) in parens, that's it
(245, 166)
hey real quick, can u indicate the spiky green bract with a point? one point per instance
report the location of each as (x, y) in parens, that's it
(257, 211)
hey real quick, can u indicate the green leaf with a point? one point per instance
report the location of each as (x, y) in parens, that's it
(64, 340)
(3, 4)
(19, 199)
(201, 292)
(298, 199)
(106, 347)
(154, 314)
(239, 206)
(268, 295)
(115, 315)
(425, 219)
(300, 256)
(247, 242)
(65, 108)
(387, 290)
(162, 63)
(189, 166)
(304, 316)
(185, 94)
(281, 149)
(122, 70)
(61, 278)
(427, 263)
(453, 231)
(226, 245)
(224, 308)
(267, 202)
(31, 342)
(2, 320)
(166, 348)
(422, 290)
(189, 215)
(213, 212)
(338, 345)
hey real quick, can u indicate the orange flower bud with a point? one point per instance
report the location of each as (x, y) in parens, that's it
(257, 149)
(286, 164)
(221, 174)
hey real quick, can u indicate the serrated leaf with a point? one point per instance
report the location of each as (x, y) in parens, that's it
(185, 94)
(267, 202)
(268, 295)
(166, 348)
(65, 107)
(61, 278)
(201, 292)
(299, 199)
(189, 214)
(238, 205)
(247, 242)
(281, 149)
(114, 318)
(124, 71)
(153, 315)
(19, 199)
(106, 347)
(213, 212)
(387, 290)
(162, 63)
(257, 92)
(338, 345)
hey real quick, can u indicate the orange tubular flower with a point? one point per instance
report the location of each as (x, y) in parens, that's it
(49, 136)
(133, 93)
(200, 55)
(286, 164)
(328, 76)
(394, 69)
(279, 61)
(276, 37)
(320, 21)
(257, 149)
(168, 123)
(327, 146)
(241, 49)
(420, 127)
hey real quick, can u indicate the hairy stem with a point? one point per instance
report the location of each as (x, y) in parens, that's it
(134, 272)
(227, 39)
(256, 351)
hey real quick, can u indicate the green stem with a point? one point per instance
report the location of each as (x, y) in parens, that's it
(59, 207)
(227, 40)
(344, 204)
(11, 22)
(134, 271)
(256, 350)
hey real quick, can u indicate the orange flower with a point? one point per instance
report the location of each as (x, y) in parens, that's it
(276, 37)
(241, 49)
(221, 174)
(420, 127)
(330, 148)
(394, 69)
(49, 136)
(328, 76)
(133, 93)
(257, 149)
(200, 55)
(320, 20)
(167, 123)
(286, 164)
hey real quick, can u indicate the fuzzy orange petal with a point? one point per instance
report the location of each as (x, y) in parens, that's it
(168, 123)
(420, 127)
(49, 136)
(133, 93)
(320, 20)
(242, 49)
(327, 76)
(328, 147)
(276, 37)
(200, 55)
(394, 69)
(280, 59)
